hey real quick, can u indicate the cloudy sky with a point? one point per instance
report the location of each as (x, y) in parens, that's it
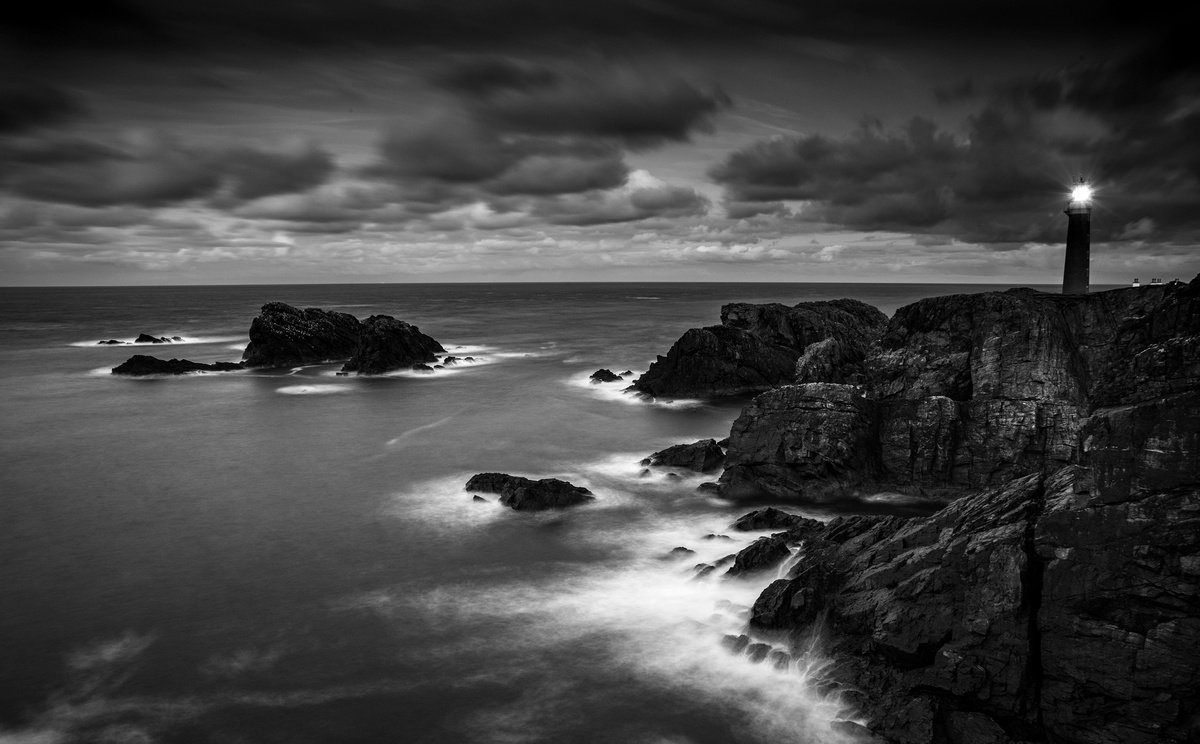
(250, 141)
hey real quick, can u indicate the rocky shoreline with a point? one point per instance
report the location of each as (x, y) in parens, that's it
(1056, 596)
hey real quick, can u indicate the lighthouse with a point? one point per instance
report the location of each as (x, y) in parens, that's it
(1077, 267)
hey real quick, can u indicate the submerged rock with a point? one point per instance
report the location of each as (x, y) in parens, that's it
(285, 336)
(524, 494)
(385, 344)
(703, 456)
(140, 364)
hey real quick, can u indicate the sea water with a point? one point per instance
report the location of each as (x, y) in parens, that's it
(289, 555)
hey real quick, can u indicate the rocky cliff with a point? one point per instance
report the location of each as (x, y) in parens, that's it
(1058, 598)
(966, 391)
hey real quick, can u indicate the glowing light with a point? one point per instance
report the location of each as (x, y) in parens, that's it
(1081, 193)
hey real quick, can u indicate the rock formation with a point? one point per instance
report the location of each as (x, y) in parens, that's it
(140, 365)
(146, 338)
(385, 343)
(967, 391)
(1058, 598)
(757, 347)
(284, 336)
(604, 375)
(703, 456)
(524, 494)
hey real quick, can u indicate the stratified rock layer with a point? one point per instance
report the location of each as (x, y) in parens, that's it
(385, 344)
(285, 336)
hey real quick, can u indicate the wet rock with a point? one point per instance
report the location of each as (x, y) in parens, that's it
(385, 344)
(735, 643)
(674, 476)
(627, 373)
(141, 365)
(760, 555)
(755, 348)
(450, 360)
(146, 338)
(681, 551)
(757, 652)
(770, 518)
(714, 536)
(422, 367)
(479, 498)
(708, 487)
(604, 375)
(524, 494)
(779, 659)
(284, 336)
(703, 456)
(109, 342)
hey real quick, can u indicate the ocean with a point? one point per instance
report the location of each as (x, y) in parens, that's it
(290, 556)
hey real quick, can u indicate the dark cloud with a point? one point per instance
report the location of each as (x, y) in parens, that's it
(30, 107)
(153, 172)
(602, 100)
(629, 205)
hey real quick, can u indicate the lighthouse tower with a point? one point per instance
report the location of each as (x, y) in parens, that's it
(1077, 268)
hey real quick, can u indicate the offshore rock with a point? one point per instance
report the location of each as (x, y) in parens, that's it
(146, 338)
(385, 344)
(604, 375)
(756, 347)
(284, 336)
(524, 494)
(703, 456)
(140, 364)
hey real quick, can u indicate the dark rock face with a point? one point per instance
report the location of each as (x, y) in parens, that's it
(760, 555)
(284, 336)
(756, 347)
(800, 440)
(385, 344)
(109, 342)
(140, 364)
(146, 338)
(1061, 605)
(703, 456)
(523, 494)
(604, 375)
(967, 391)
(770, 518)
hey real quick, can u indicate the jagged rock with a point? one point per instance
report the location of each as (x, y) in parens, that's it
(763, 553)
(385, 344)
(523, 494)
(681, 551)
(422, 367)
(450, 361)
(770, 518)
(626, 373)
(284, 336)
(109, 342)
(146, 338)
(968, 391)
(800, 441)
(703, 456)
(140, 364)
(755, 348)
(604, 375)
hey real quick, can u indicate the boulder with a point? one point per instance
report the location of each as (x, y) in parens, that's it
(524, 494)
(140, 364)
(703, 456)
(385, 344)
(284, 336)
(604, 375)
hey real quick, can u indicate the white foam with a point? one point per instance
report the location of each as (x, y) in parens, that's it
(618, 392)
(318, 389)
(186, 341)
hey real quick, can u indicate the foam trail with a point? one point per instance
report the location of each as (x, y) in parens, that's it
(616, 391)
(187, 341)
(417, 430)
(320, 389)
